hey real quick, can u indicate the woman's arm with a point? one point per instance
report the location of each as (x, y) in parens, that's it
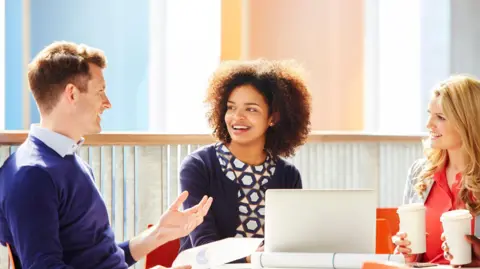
(194, 179)
(413, 172)
(297, 178)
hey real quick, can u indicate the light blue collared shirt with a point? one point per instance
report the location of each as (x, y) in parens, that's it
(59, 143)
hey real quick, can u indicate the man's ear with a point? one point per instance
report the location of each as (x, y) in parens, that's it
(72, 93)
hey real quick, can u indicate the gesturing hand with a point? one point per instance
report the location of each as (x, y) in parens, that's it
(174, 223)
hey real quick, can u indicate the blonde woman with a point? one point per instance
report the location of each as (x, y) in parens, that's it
(449, 177)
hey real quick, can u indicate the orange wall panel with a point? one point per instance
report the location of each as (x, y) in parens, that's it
(231, 33)
(326, 36)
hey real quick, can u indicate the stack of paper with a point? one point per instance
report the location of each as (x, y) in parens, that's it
(319, 260)
(217, 253)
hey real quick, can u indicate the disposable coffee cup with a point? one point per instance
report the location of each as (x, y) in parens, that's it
(412, 222)
(456, 224)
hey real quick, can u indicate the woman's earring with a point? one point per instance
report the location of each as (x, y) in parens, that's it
(271, 123)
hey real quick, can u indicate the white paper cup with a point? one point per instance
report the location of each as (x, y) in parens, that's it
(412, 222)
(457, 224)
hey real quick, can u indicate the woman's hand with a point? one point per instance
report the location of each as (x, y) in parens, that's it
(402, 247)
(249, 258)
(474, 241)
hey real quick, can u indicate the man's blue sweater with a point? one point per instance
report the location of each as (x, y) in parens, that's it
(51, 212)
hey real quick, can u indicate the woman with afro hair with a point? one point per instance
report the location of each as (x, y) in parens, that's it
(259, 112)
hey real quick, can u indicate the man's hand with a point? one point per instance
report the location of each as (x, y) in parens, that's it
(175, 224)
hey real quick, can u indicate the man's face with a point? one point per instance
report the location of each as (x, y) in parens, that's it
(92, 102)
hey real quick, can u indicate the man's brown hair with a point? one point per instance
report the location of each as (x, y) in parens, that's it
(56, 66)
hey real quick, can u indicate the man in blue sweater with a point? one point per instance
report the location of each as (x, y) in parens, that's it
(51, 213)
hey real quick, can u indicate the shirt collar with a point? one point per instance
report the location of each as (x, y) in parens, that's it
(59, 143)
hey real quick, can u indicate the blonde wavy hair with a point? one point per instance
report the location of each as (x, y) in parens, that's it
(460, 101)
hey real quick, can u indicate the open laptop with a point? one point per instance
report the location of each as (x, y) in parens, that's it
(321, 221)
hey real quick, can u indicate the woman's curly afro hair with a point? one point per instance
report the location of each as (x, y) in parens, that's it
(285, 92)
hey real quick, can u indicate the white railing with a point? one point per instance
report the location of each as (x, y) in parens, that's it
(137, 174)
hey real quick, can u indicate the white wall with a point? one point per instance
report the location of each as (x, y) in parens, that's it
(156, 66)
(193, 41)
(407, 51)
(185, 49)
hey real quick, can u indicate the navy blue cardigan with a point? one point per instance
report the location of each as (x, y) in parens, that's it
(201, 174)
